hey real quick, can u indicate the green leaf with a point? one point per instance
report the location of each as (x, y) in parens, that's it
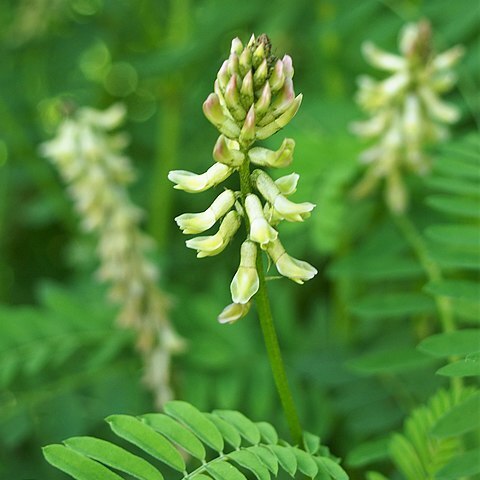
(144, 437)
(268, 432)
(379, 306)
(459, 419)
(250, 461)
(76, 465)
(369, 452)
(201, 476)
(223, 470)
(464, 207)
(114, 456)
(306, 464)
(461, 342)
(245, 426)
(464, 465)
(390, 361)
(457, 235)
(176, 433)
(229, 433)
(266, 457)
(285, 457)
(459, 289)
(332, 468)
(199, 423)
(452, 185)
(311, 442)
(468, 367)
(457, 168)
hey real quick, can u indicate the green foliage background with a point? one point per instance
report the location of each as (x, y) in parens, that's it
(349, 335)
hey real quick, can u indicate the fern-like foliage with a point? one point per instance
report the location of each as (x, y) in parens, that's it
(417, 452)
(223, 445)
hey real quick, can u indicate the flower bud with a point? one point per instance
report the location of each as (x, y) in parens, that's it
(193, 183)
(297, 270)
(277, 78)
(281, 121)
(233, 312)
(260, 74)
(276, 159)
(245, 61)
(232, 99)
(260, 230)
(228, 152)
(233, 64)
(395, 193)
(245, 283)
(288, 66)
(199, 222)
(263, 102)
(222, 75)
(258, 55)
(246, 90)
(449, 58)
(215, 114)
(214, 244)
(237, 46)
(247, 134)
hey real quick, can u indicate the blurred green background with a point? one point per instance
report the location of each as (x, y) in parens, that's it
(63, 366)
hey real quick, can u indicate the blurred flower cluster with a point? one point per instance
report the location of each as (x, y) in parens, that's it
(253, 98)
(89, 157)
(406, 111)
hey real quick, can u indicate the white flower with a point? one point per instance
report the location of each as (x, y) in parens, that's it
(233, 312)
(211, 245)
(287, 184)
(260, 230)
(273, 158)
(297, 270)
(199, 222)
(245, 283)
(193, 183)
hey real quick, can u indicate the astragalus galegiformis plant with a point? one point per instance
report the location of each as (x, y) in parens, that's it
(406, 111)
(90, 159)
(253, 99)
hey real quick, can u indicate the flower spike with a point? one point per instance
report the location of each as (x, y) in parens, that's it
(253, 99)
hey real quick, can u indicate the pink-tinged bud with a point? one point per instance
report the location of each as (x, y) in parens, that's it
(246, 90)
(245, 61)
(247, 134)
(281, 121)
(233, 64)
(237, 46)
(214, 113)
(284, 98)
(232, 99)
(288, 66)
(223, 152)
(260, 74)
(264, 101)
(222, 75)
(277, 78)
(213, 110)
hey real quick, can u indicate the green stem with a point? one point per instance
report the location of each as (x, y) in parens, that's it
(269, 333)
(434, 274)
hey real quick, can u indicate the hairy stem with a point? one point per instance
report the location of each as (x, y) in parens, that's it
(269, 333)
(434, 274)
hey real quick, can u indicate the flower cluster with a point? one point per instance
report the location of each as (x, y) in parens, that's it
(90, 160)
(405, 109)
(253, 98)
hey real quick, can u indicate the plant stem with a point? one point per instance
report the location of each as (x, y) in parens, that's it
(269, 333)
(434, 274)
